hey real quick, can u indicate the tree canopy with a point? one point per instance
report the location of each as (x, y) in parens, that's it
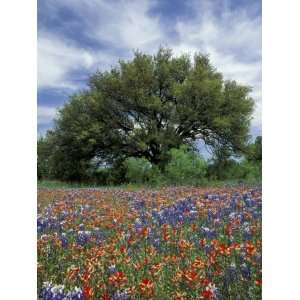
(144, 108)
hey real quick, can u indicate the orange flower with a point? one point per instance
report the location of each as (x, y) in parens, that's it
(166, 236)
(145, 231)
(155, 269)
(117, 279)
(127, 259)
(212, 257)
(71, 273)
(194, 227)
(86, 277)
(223, 249)
(165, 227)
(198, 263)
(191, 276)
(185, 245)
(151, 251)
(178, 276)
(180, 295)
(170, 259)
(137, 266)
(236, 246)
(130, 290)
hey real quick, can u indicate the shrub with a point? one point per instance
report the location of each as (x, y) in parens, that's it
(140, 170)
(185, 167)
(251, 170)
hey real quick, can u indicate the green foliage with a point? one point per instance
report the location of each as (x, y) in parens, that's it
(140, 170)
(185, 167)
(144, 108)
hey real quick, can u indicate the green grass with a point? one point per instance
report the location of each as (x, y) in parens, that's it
(56, 184)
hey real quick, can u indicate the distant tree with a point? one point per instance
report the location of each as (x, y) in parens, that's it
(254, 152)
(222, 163)
(147, 106)
(223, 166)
(43, 158)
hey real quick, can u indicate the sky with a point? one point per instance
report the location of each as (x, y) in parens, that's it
(78, 37)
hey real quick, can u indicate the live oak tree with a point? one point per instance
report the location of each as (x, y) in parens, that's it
(145, 107)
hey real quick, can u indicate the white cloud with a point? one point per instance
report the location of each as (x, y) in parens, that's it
(45, 114)
(121, 24)
(58, 57)
(232, 39)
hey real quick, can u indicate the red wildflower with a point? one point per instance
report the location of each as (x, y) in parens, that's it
(205, 281)
(206, 294)
(202, 242)
(146, 285)
(123, 248)
(228, 229)
(105, 297)
(250, 248)
(87, 292)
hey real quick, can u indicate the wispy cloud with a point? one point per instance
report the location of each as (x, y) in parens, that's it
(59, 58)
(45, 114)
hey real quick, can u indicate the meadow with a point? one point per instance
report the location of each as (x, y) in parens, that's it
(165, 243)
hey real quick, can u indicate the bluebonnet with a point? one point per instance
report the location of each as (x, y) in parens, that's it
(48, 223)
(121, 295)
(246, 271)
(139, 204)
(231, 274)
(83, 237)
(183, 211)
(98, 234)
(208, 248)
(208, 233)
(112, 269)
(57, 292)
(247, 235)
(64, 240)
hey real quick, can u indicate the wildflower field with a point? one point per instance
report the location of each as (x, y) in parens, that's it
(173, 243)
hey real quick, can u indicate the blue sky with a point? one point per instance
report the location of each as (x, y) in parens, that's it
(77, 37)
